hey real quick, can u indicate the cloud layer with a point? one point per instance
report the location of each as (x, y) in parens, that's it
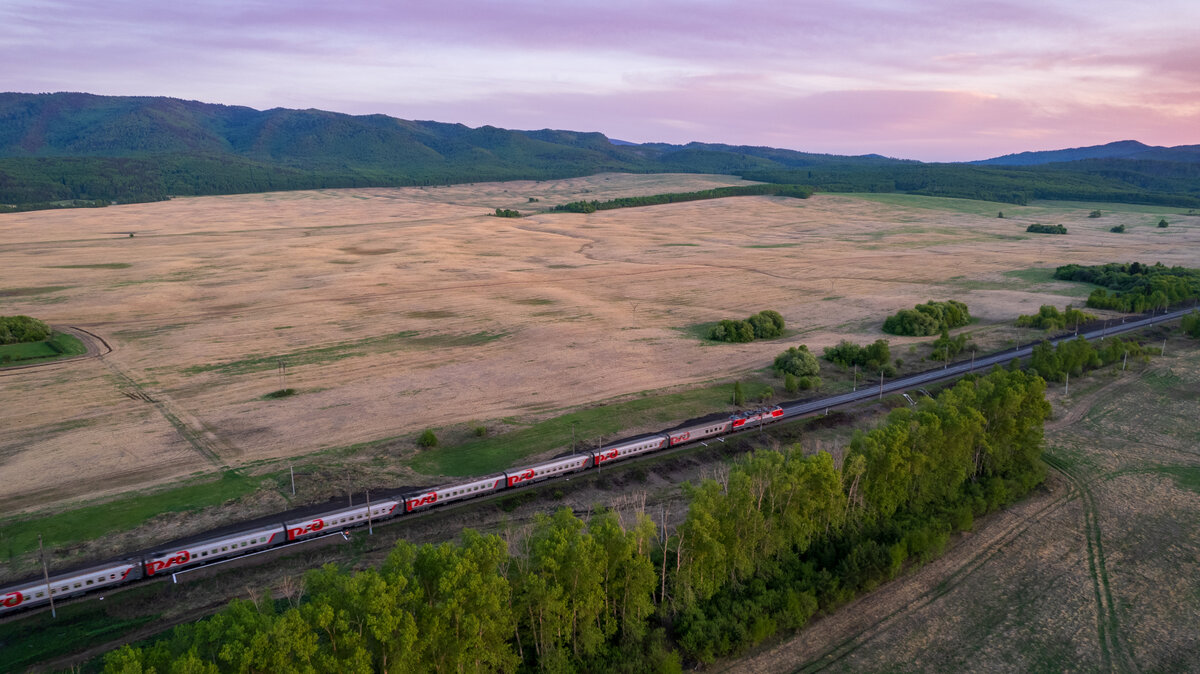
(933, 80)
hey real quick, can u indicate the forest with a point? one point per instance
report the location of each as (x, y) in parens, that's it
(1136, 287)
(780, 538)
(72, 149)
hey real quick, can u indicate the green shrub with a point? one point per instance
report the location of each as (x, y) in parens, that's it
(1163, 223)
(1119, 229)
(790, 383)
(797, 360)
(427, 439)
(480, 431)
(766, 324)
(928, 319)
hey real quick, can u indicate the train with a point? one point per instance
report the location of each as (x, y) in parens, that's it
(170, 559)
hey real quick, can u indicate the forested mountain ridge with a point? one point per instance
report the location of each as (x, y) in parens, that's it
(1122, 149)
(77, 149)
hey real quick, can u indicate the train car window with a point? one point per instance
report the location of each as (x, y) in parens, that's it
(39, 595)
(89, 583)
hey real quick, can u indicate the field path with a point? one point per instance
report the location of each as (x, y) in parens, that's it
(194, 432)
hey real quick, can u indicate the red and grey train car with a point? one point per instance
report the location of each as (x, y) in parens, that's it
(169, 560)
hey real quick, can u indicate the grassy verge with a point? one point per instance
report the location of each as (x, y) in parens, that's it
(488, 455)
(78, 627)
(60, 345)
(120, 515)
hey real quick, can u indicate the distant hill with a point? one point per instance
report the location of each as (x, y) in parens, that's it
(75, 149)
(1122, 149)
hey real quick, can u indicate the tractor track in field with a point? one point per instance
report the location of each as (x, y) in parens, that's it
(1114, 650)
(201, 439)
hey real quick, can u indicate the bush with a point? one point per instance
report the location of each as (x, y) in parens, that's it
(507, 213)
(790, 383)
(480, 431)
(847, 354)
(19, 329)
(763, 325)
(797, 360)
(766, 395)
(739, 397)
(1046, 229)
(1094, 214)
(928, 319)
(1119, 229)
(427, 439)
(1191, 324)
(1163, 223)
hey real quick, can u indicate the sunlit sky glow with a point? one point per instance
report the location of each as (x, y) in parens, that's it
(937, 80)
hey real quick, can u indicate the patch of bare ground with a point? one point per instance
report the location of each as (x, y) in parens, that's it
(395, 310)
(1098, 571)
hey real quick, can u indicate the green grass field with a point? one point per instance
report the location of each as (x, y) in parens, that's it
(489, 455)
(123, 514)
(60, 345)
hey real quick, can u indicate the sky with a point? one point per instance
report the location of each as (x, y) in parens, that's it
(935, 80)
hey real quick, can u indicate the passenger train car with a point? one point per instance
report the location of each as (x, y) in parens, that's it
(171, 559)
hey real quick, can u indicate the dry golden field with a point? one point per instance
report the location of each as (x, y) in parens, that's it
(395, 310)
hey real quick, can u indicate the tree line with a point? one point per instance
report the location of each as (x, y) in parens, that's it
(783, 536)
(768, 189)
(18, 329)
(766, 324)
(928, 319)
(1074, 357)
(1137, 287)
(1049, 317)
(1046, 229)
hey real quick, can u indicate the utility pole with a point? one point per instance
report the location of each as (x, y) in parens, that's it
(46, 577)
(1124, 361)
(292, 472)
(972, 360)
(881, 384)
(1163, 351)
(1068, 390)
(370, 526)
(856, 376)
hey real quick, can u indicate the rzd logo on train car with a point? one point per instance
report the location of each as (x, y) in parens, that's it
(12, 599)
(427, 499)
(310, 528)
(607, 456)
(777, 412)
(676, 439)
(178, 559)
(514, 479)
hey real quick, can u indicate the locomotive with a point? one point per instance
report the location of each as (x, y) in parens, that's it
(173, 558)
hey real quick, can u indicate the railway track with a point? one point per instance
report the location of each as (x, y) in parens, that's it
(797, 410)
